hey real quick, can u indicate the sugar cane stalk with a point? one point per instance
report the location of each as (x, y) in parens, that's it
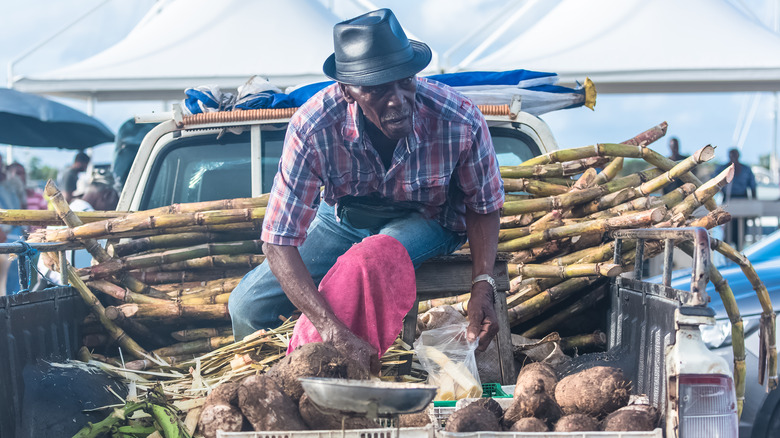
(123, 294)
(586, 341)
(641, 140)
(170, 312)
(569, 271)
(141, 222)
(174, 241)
(737, 328)
(577, 197)
(705, 192)
(200, 333)
(45, 218)
(601, 225)
(184, 276)
(574, 167)
(175, 255)
(543, 301)
(116, 333)
(767, 335)
(194, 347)
(533, 186)
(221, 204)
(610, 171)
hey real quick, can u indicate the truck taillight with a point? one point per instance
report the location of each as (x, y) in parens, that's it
(708, 406)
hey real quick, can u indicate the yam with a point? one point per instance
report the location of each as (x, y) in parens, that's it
(529, 424)
(318, 418)
(419, 419)
(220, 411)
(531, 373)
(316, 359)
(633, 418)
(266, 406)
(472, 418)
(596, 391)
(537, 404)
(491, 405)
(577, 423)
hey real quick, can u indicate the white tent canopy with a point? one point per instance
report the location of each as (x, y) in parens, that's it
(187, 43)
(640, 46)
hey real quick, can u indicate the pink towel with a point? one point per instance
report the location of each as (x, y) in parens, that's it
(370, 288)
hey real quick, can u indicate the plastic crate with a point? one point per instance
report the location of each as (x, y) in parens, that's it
(488, 390)
(404, 432)
(657, 433)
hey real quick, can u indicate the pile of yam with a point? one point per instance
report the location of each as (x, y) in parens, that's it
(595, 399)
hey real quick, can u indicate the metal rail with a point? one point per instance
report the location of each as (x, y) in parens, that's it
(21, 250)
(701, 256)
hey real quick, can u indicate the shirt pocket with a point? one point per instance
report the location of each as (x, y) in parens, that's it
(430, 190)
(353, 183)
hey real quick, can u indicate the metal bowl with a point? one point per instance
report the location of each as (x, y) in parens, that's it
(368, 397)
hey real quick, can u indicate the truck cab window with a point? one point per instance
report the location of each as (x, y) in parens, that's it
(200, 169)
(513, 147)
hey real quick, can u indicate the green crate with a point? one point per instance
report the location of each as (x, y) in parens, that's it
(488, 390)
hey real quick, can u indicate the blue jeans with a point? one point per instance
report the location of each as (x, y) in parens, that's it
(258, 300)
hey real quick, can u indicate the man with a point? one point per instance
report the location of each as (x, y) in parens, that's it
(68, 178)
(737, 189)
(674, 150)
(397, 155)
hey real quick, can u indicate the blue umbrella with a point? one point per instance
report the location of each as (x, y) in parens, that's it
(31, 120)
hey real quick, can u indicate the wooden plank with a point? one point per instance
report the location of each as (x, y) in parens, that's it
(438, 279)
(506, 357)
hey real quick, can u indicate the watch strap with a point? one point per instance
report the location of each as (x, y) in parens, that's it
(484, 277)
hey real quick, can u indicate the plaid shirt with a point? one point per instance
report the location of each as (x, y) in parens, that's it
(445, 164)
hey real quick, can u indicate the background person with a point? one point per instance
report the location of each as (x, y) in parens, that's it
(743, 186)
(9, 199)
(67, 180)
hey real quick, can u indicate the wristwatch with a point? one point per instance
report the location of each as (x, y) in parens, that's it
(484, 277)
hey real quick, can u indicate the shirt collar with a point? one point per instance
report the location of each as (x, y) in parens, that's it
(353, 129)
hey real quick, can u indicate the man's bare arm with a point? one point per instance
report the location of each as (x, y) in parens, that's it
(482, 231)
(296, 281)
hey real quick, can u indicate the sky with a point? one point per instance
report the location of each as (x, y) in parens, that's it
(696, 119)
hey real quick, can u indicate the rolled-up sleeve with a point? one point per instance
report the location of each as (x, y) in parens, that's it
(479, 177)
(295, 193)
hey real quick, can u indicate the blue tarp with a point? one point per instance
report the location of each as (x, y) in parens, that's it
(537, 91)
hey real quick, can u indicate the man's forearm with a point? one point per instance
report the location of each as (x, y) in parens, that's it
(482, 231)
(296, 281)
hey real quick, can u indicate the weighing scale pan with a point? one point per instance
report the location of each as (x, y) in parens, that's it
(372, 398)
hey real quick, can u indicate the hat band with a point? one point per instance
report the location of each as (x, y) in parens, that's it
(375, 64)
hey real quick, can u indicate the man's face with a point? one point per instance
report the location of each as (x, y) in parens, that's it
(388, 106)
(673, 146)
(734, 156)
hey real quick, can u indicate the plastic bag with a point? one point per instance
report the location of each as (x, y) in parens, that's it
(448, 357)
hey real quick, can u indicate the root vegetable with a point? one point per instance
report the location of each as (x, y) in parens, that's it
(529, 424)
(318, 418)
(491, 405)
(313, 360)
(533, 372)
(577, 423)
(220, 411)
(537, 404)
(596, 391)
(472, 418)
(266, 406)
(631, 418)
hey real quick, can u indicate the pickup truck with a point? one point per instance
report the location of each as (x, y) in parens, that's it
(653, 331)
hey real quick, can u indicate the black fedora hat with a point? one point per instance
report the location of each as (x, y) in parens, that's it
(372, 49)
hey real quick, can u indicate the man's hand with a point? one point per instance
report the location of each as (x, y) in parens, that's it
(350, 345)
(482, 315)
